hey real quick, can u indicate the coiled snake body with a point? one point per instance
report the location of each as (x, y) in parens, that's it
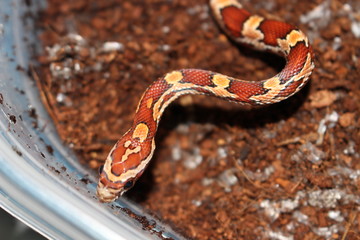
(132, 153)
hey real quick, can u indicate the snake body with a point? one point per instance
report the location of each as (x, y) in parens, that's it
(132, 153)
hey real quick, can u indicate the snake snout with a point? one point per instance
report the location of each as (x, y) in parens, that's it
(106, 194)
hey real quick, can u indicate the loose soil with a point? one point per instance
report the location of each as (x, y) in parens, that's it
(221, 170)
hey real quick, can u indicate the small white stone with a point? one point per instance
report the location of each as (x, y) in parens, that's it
(60, 97)
(165, 29)
(112, 46)
(336, 215)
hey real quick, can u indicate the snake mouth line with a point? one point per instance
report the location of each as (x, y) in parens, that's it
(106, 194)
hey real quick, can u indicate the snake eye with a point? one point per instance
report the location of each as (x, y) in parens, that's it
(101, 168)
(128, 185)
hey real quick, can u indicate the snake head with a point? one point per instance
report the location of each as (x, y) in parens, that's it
(123, 166)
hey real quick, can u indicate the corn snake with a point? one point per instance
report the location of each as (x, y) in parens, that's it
(133, 152)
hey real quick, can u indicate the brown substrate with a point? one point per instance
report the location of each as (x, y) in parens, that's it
(220, 171)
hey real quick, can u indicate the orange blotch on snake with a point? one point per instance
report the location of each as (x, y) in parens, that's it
(294, 37)
(149, 102)
(221, 81)
(250, 29)
(272, 83)
(141, 131)
(173, 77)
